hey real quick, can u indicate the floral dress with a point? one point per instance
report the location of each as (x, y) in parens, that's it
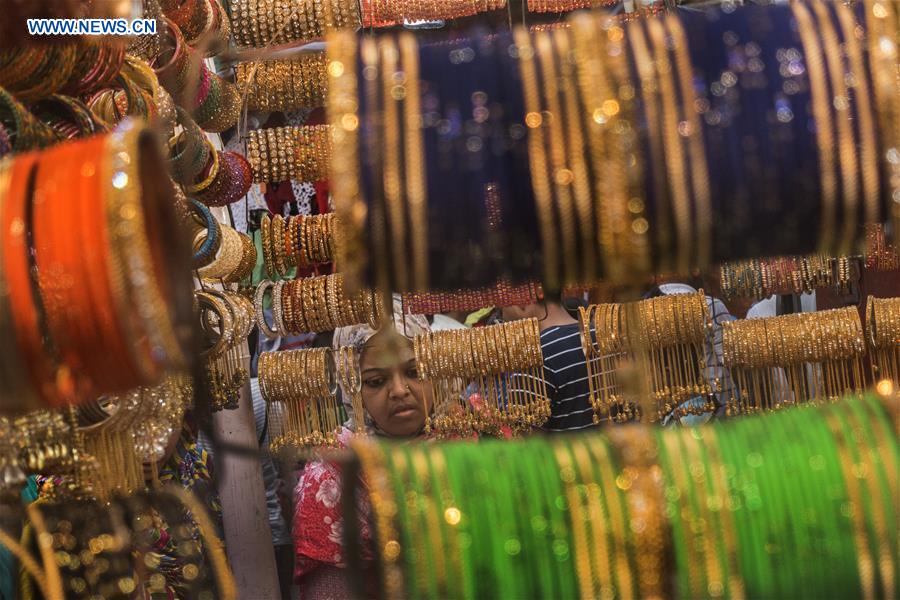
(318, 524)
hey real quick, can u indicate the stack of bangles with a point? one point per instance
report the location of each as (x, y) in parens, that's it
(314, 304)
(68, 116)
(559, 6)
(642, 512)
(95, 292)
(297, 240)
(96, 65)
(207, 235)
(503, 294)
(224, 179)
(235, 259)
(22, 128)
(301, 153)
(262, 23)
(378, 13)
(33, 72)
(189, 150)
(284, 84)
(214, 103)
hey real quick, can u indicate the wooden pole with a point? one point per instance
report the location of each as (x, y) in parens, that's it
(248, 538)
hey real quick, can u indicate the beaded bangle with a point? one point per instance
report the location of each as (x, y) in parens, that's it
(210, 171)
(206, 253)
(259, 303)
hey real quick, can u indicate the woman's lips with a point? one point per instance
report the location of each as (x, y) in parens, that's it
(404, 411)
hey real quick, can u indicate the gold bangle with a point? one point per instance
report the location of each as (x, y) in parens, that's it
(415, 163)
(675, 159)
(846, 146)
(537, 159)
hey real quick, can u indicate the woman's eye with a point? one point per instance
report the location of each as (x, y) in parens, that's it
(412, 373)
(377, 382)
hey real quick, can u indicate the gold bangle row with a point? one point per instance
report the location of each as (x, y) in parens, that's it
(317, 304)
(300, 387)
(506, 363)
(383, 13)
(883, 336)
(299, 153)
(664, 337)
(263, 23)
(284, 84)
(794, 358)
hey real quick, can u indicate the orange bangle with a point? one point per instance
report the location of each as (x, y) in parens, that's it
(23, 302)
(72, 243)
(16, 390)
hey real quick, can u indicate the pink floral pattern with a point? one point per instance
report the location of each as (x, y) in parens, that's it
(318, 525)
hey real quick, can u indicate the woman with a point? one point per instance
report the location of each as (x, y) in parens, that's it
(396, 405)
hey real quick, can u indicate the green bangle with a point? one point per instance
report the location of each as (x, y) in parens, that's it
(445, 500)
(608, 576)
(674, 492)
(463, 526)
(871, 412)
(852, 444)
(748, 507)
(562, 545)
(408, 555)
(427, 584)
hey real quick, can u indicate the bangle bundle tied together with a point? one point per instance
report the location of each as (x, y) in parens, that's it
(803, 357)
(664, 338)
(883, 335)
(300, 153)
(298, 240)
(235, 259)
(226, 319)
(300, 387)
(502, 294)
(262, 23)
(504, 364)
(315, 304)
(95, 297)
(760, 278)
(284, 85)
(641, 512)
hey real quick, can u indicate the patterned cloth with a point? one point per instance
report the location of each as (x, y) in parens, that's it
(318, 526)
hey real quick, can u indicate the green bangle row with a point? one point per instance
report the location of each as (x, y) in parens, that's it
(797, 503)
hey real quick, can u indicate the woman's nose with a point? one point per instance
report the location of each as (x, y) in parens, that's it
(398, 386)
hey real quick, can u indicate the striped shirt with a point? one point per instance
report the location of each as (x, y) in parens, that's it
(566, 378)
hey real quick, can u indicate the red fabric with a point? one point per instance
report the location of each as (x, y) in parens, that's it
(318, 526)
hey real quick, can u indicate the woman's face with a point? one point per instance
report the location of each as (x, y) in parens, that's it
(391, 391)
